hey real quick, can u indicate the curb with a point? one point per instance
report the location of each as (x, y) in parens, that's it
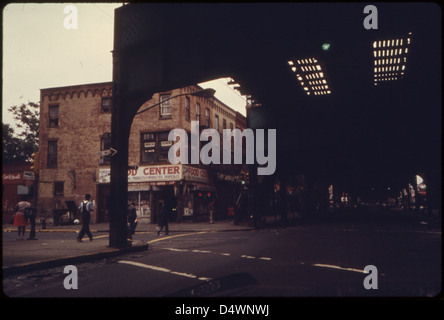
(39, 265)
(49, 230)
(137, 231)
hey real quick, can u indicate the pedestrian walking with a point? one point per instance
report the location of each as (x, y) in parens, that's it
(85, 209)
(211, 209)
(20, 220)
(132, 218)
(163, 218)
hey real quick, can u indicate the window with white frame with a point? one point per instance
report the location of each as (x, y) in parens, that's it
(165, 106)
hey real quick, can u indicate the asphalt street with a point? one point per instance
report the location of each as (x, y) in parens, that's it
(305, 260)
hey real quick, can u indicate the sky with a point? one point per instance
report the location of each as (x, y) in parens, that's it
(39, 51)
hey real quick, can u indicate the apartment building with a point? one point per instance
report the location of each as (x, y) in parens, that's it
(75, 126)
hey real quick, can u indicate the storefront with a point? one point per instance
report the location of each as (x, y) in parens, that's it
(228, 189)
(178, 185)
(17, 180)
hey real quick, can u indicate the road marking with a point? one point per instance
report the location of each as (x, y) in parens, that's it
(337, 267)
(222, 254)
(179, 235)
(104, 236)
(406, 231)
(178, 250)
(161, 269)
(201, 251)
(160, 239)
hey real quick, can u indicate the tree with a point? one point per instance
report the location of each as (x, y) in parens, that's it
(19, 147)
(11, 145)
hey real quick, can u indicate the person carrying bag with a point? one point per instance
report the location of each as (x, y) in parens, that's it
(85, 208)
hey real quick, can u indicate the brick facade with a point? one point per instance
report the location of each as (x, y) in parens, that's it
(74, 126)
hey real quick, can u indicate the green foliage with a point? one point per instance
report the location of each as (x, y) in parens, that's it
(20, 146)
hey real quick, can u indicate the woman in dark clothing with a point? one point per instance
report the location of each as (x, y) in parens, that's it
(163, 218)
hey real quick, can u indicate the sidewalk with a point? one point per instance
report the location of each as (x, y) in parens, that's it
(46, 252)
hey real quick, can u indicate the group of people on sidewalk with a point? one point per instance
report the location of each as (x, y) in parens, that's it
(86, 208)
(22, 214)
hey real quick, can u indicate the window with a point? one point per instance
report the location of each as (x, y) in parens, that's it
(207, 117)
(106, 105)
(198, 111)
(216, 122)
(148, 147)
(105, 144)
(164, 146)
(231, 126)
(52, 154)
(53, 116)
(165, 106)
(224, 124)
(187, 108)
(155, 146)
(59, 188)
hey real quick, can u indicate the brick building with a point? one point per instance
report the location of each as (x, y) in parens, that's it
(75, 125)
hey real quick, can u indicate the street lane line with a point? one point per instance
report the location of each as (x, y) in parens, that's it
(174, 249)
(98, 237)
(156, 268)
(183, 274)
(179, 235)
(147, 266)
(201, 251)
(337, 267)
(221, 254)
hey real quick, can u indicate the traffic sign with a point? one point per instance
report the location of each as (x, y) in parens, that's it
(107, 153)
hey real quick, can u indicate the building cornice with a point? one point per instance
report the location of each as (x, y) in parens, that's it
(103, 89)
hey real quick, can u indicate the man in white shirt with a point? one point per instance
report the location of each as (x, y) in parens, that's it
(85, 208)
